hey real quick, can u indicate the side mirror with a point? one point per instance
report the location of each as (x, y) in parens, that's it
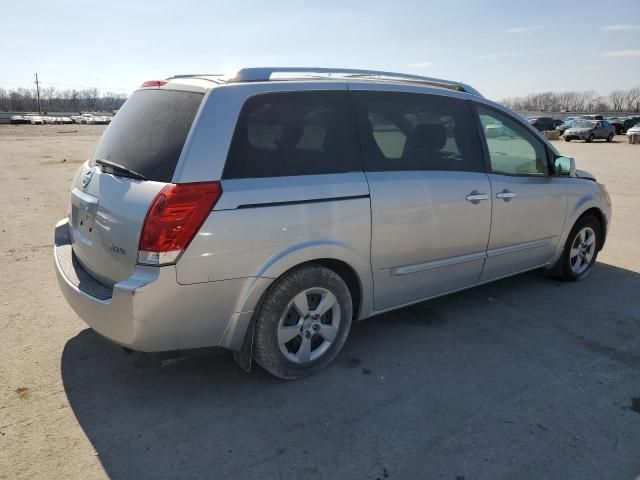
(565, 166)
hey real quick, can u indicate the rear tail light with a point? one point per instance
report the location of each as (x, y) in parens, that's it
(174, 218)
(153, 83)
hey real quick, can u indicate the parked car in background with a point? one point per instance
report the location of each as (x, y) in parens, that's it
(590, 130)
(52, 120)
(627, 123)
(635, 130)
(622, 124)
(265, 215)
(557, 122)
(66, 120)
(591, 117)
(542, 124)
(617, 124)
(18, 120)
(568, 123)
(35, 119)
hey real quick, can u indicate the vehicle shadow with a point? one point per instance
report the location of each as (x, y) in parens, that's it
(487, 383)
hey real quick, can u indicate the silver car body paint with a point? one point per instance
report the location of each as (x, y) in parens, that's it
(407, 236)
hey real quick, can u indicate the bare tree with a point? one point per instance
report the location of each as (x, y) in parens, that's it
(589, 101)
(54, 100)
(632, 100)
(617, 98)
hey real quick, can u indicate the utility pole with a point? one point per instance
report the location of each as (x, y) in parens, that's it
(38, 90)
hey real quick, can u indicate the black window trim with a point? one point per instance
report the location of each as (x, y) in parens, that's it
(485, 147)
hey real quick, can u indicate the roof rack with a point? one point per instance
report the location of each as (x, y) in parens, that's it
(210, 77)
(189, 75)
(264, 74)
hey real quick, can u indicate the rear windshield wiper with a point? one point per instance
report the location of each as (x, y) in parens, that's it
(117, 168)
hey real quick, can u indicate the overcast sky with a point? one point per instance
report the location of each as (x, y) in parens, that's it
(502, 48)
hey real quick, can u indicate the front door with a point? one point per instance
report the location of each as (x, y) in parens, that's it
(430, 196)
(601, 131)
(529, 203)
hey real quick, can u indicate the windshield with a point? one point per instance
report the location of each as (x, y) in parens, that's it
(584, 123)
(147, 134)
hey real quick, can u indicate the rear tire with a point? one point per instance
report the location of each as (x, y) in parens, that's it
(610, 138)
(590, 138)
(303, 322)
(580, 250)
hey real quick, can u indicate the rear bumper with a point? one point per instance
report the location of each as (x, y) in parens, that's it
(150, 311)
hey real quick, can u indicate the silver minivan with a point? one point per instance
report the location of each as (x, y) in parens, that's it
(265, 212)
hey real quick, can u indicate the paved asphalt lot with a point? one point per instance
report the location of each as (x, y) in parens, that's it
(524, 378)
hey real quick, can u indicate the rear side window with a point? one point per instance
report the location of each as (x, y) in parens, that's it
(408, 131)
(148, 132)
(294, 133)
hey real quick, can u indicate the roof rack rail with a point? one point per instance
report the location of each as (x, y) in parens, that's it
(218, 78)
(192, 75)
(263, 74)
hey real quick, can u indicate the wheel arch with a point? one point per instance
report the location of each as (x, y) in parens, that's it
(346, 261)
(348, 274)
(596, 213)
(355, 271)
(587, 205)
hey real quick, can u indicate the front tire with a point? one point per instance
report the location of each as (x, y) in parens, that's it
(580, 250)
(590, 138)
(303, 322)
(610, 138)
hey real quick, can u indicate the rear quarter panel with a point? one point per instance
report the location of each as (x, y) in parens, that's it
(300, 219)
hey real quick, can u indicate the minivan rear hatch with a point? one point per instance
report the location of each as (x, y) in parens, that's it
(134, 160)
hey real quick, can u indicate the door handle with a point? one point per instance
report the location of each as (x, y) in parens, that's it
(506, 195)
(475, 196)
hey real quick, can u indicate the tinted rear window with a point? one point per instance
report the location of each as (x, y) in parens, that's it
(294, 133)
(148, 132)
(411, 131)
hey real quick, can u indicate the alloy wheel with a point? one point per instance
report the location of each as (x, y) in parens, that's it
(582, 250)
(309, 325)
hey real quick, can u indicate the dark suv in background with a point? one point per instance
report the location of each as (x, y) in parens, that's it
(622, 124)
(543, 124)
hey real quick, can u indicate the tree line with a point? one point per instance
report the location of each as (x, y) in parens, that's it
(90, 99)
(58, 100)
(589, 101)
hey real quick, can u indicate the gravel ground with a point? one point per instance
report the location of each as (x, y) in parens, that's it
(523, 378)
